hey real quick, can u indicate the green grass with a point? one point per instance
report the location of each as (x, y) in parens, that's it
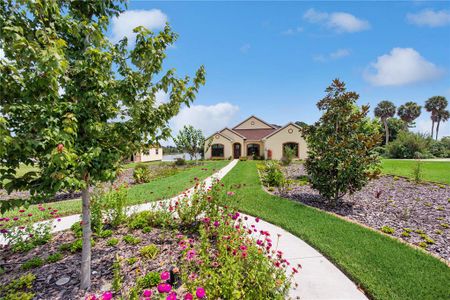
(160, 188)
(384, 267)
(436, 171)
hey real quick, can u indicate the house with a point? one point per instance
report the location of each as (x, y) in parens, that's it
(153, 154)
(255, 137)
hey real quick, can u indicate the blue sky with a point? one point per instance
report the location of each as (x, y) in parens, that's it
(274, 59)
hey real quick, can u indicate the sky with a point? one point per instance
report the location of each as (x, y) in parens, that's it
(275, 59)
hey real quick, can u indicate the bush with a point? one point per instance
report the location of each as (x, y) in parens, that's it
(145, 219)
(387, 229)
(440, 149)
(243, 158)
(105, 233)
(180, 161)
(409, 145)
(77, 245)
(288, 155)
(77, 229)
(149, 280)
(18, 289)
(112, 242)
(52, 258)
(272, 174)
(141, 173)
(129, 239)
(32, 263)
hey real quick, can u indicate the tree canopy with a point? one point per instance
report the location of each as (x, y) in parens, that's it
(408, 112)
(190, 140)
(384, 111)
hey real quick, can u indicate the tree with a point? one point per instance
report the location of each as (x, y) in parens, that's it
(408, 112)
(395, 126)
(437, 106)
(443, 116)
(385, 110)
(341, 156)
(190, 140)
(74, 104)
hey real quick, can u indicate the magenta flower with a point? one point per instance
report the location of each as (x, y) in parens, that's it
(216, 223)
(257, 220)
(200, 293)
(164, 288)
(230, 193)
(190, 254)
(91, 297)
(188, 296)
(147, 293)
(243, 247)
(172, 296)
(107, 296)
(165, 275)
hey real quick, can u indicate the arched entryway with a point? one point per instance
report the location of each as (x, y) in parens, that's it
(293, 146)
(236, 150)
(252, 149)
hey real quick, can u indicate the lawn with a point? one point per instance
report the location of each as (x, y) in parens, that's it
(160, 188)
(384, 267)
(436, 171)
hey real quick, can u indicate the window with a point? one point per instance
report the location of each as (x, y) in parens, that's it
(157, 151)
(293, 146)
(252, 149)
(217, 150)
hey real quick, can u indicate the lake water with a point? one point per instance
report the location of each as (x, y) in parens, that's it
(173, 157)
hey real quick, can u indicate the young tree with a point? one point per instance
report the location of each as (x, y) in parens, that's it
(385, 110)
(408, 112)
(190, 140)
(341, 157)
(73, 104)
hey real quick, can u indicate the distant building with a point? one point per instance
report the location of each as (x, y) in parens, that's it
(153, 154)
(256, 138)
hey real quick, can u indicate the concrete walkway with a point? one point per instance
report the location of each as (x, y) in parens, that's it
(317, 279)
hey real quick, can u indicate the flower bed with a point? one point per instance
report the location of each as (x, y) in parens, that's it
(191, 249)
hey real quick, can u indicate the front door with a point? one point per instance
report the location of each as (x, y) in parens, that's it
(237, 150)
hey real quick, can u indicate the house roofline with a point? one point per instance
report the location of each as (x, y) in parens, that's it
(253, 116)
(219, 133)
(237, 133)
(279, 129)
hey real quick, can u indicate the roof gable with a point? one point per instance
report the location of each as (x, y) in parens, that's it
(232, 132)
(281, 129)
(253, 122)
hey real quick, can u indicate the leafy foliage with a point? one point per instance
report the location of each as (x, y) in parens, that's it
(272, 174)
(341, 157)
(408, 112)
(409, 145)
(437, 105)
(141, 173)
(385, 110)
(190, 140)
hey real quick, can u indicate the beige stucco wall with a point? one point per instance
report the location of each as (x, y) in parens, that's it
(257, 124)
(152, 155)
(276, 141)
(261, 147)
(219, 139)
(236, 138)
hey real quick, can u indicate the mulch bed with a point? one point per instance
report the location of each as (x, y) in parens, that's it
(103, 256)
(390, 201)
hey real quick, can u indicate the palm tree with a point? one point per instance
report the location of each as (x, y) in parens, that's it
(408, 112)
(385, 110)
(442, 116)
(435, 105)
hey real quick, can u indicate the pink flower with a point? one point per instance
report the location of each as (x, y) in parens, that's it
(243, 247)
(188, 296)
(256, 220)
(91, 297)
(190, 255)
(230, 193)
(172, 296)
(165, 275)
(147, 293)
(22, 210)
(200, 293)
(15, 218)
(192, 276)
(164, 288)
(216, 223)
(107, 296)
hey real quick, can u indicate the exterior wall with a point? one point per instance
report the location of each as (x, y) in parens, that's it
(252, 123)
(290, 134)
(219, 139)
(261, 147)
(152, 155)
(233, 136)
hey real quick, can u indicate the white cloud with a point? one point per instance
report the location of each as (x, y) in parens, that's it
(161, 97)
(292, 31)
(430, 18)
(245, 48)
(401, 66)
(123, 25)
(340, 53)
(423, 125)
(338, 21)
(208, 118)
(2, 53)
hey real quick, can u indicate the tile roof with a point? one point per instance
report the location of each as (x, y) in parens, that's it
(254, 134)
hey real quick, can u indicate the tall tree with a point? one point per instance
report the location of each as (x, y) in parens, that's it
(341, 157)
(73, 104)
(384, 111)
(443, 116)
(190, 140)
(437, 106)
(408, 112)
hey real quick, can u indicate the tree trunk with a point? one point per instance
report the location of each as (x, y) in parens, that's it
(87, 233)
(437, 129)
(386, 129)
(432, 129)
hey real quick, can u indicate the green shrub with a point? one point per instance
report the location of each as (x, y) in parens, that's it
(129, 239)
(52, 258)
(132, 260)
(115, 202)
(288, 155)
(387, 229)
(105, 233)
(65, 247)
(180, 161)
(409, 145)
(142, 173)
(32, 263)
(148, 281)
(272, 174)
(117, 276)
(18, 289)
(112, 242)
(150, 219)
(77, 229)
(149, 251)
(77, 245)
(243, 158)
